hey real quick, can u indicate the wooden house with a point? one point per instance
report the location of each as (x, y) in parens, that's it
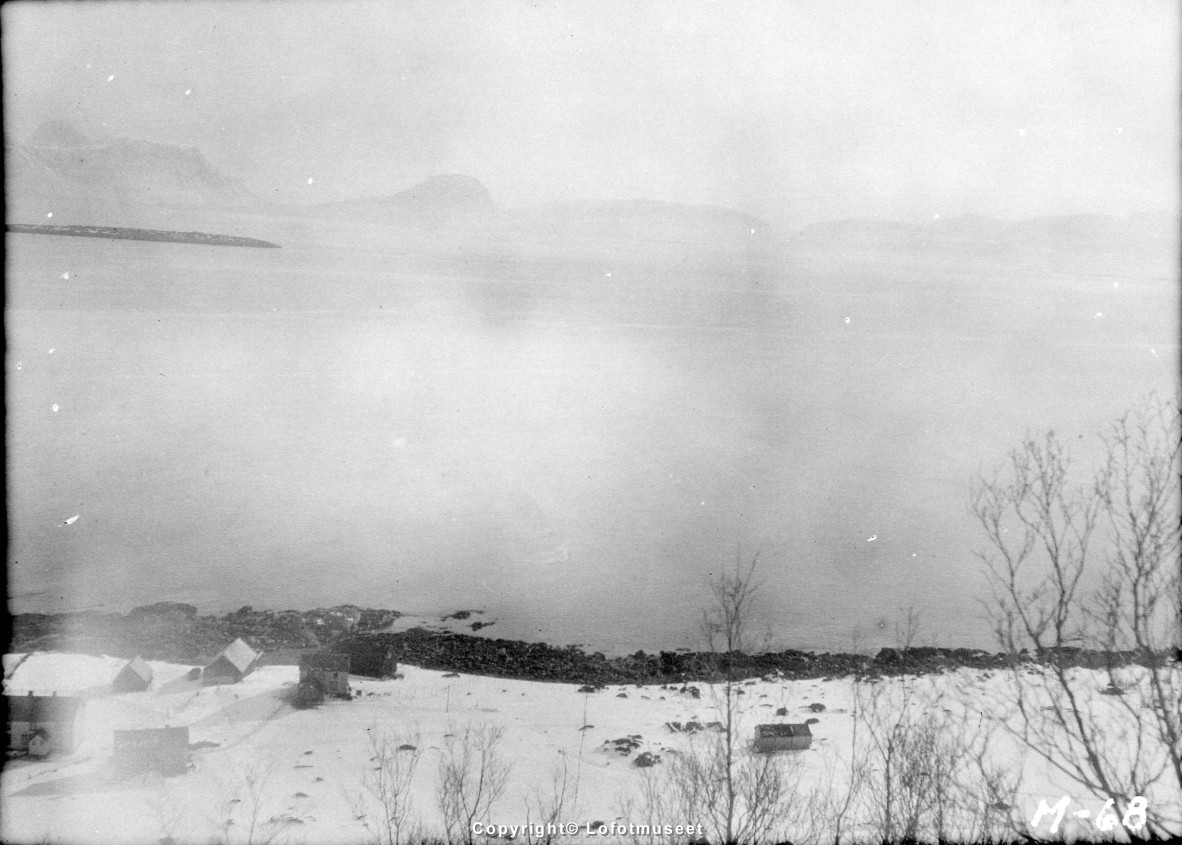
(43, 724)
(236, 661)
(323, 674)
(792, 737)
(135, 676)
(163, 751)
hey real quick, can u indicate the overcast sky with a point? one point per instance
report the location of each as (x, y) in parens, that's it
(795, 111)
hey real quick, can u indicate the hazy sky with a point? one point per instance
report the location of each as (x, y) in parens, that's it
(795, 111)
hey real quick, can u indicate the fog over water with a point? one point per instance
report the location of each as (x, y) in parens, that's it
(469, 403)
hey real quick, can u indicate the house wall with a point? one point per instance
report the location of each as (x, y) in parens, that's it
(333, 682)
(782, 743)
(61, 735)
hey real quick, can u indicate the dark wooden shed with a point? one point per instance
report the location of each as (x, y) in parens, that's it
(323, 674)
(369, 656)
(791, 737)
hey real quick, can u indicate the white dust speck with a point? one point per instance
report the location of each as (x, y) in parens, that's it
(1021, 131)
(18, 365)
(935, 216)
(913, 554)
(50, 214)
(188, 91)
(111, 78)
(1116, 284)
(1120, 130)
(56, 408)
(399, 443)
(847, 321)
(753, 231)
(51, 351)
(1153, 352)
(72, 519)
(1099, 314)
(609, 275)
(309, 180)
(871, 539)
(703, 503)
(66, 276)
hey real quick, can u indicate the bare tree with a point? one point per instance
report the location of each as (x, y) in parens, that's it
(927, 774)
(1095, 565)
(552, 804)
(653, 801)
(243, 810)
(741, 796)
(472, 777)
(907, 629)
(835, 801)
(385, 807)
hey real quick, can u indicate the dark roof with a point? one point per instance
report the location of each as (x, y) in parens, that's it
(42, 708)
(783, 730)
(325, 660)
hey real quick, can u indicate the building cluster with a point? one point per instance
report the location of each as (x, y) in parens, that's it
(44, 725)
(41, 725)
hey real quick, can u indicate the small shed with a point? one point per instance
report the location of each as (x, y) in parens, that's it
(369, 655)
(792, 737)
(135, 676)
(164, 751)
(235, 662)
(40, 725)
(323, 674)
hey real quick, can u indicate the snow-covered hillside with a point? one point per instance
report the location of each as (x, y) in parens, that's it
(301, 772)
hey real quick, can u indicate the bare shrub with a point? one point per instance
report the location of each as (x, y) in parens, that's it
(834, 803)
(1095, 565)
(926, 775)
(738, 795)
(385, 804)
(472, 777)
(243, 814)
(551, 804)
(741, 796)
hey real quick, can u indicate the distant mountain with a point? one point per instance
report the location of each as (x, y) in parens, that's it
(436, 201)
(59, 171)
(859, 231)
(988, 234)
(640, 222)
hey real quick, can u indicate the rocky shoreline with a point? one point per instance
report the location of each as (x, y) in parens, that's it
(175, 632)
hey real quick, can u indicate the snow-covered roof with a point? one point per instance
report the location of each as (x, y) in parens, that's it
(139, 667)
(239, 655)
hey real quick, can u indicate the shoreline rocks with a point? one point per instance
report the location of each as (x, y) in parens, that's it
(173, 631)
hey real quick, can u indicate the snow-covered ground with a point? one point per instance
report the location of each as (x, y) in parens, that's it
(308, 765)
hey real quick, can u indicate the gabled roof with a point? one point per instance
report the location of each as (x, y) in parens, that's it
(239, 655)
(42, 708)
(138, 667)
(325, 660)
(784, 730)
